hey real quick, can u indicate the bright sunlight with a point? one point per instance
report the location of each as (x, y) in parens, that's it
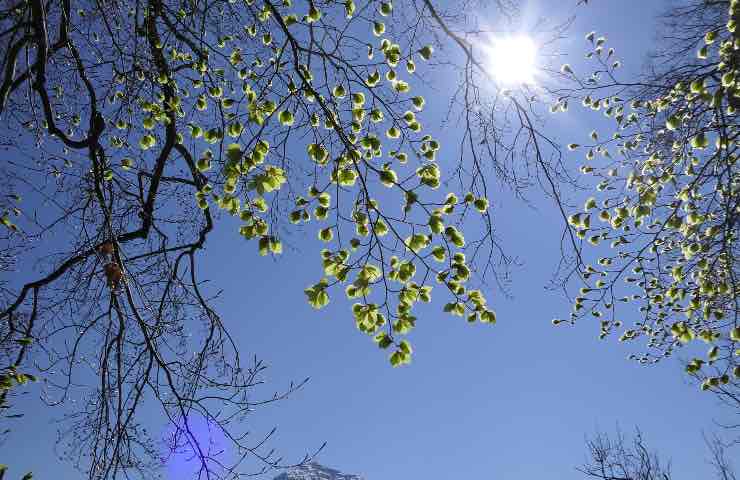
(512, 59)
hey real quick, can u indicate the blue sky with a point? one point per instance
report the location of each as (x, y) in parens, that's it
(512, 401)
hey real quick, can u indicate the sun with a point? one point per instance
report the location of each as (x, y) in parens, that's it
(512, 59)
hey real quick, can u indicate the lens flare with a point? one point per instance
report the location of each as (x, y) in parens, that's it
(189, 443)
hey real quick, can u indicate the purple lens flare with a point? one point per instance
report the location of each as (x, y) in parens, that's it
(194, 446)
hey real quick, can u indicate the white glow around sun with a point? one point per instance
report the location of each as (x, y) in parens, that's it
(512, 60)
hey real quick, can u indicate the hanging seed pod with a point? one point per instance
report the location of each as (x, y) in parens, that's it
(114, 274)
(106, 248)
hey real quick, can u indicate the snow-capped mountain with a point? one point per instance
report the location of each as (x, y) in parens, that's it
(314, 471)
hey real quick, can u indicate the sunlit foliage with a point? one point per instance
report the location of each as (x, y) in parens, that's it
(136, 127)
(663, 222)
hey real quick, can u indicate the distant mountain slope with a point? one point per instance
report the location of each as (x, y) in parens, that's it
(314, 471)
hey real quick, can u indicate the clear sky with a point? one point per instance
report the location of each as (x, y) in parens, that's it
(508, 402)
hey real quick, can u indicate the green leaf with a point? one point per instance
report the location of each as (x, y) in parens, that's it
(700, 141)
(439, 253)
(326, 234)
(388, 178)
(339, 91)
(673, 122)
(147, 141)
(735, 334)
(234, 152)
(314, 14)
(286, 118)
(349, 8)
(317, 296)
(481, 204)
(488, 316)
(383, 340)
(378, 28)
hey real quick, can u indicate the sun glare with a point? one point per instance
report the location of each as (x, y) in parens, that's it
(512, 59)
